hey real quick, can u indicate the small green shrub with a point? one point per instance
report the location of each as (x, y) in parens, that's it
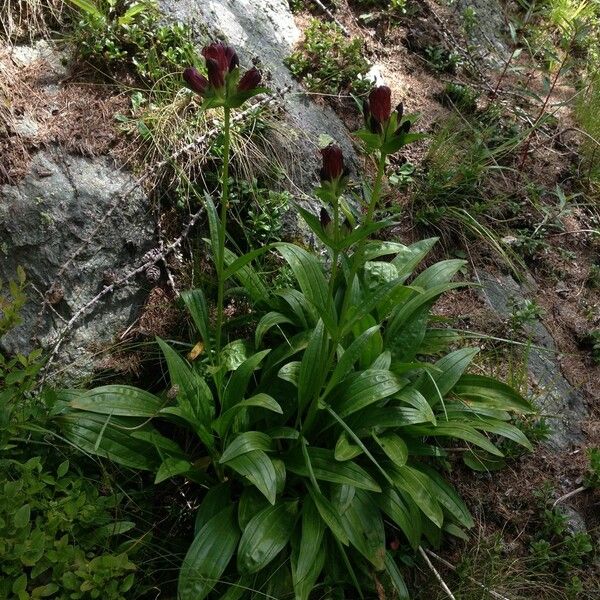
(114, 36)
(328, 62)
(463, 97)
(54, 526)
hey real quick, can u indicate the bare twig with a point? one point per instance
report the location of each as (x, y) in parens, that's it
(569, 495)
(437, 575)
(332, 17)
(483, 587)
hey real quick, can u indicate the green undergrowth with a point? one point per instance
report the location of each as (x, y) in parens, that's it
(327, 62)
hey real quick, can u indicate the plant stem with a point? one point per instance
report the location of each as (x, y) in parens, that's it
(222, 232)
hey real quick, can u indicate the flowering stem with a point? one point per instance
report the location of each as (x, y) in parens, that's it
(222, 231)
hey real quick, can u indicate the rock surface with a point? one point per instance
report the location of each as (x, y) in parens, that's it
(564, 406)
(265, 29)
(48, 220)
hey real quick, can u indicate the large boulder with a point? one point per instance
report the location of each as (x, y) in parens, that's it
(59, 224)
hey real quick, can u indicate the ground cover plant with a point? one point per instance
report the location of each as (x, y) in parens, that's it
(314, 440)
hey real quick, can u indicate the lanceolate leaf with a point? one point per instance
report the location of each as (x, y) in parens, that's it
(451, 367)
(440, 272)
(266, 323)
(409, 257)
(364, 526)
(257, 467)
(308, 553)
(458, 430)
(396, 577)
(326, 468)
(265, 401)
(330, 515)
(208, 556)
(103, 435)
(492, 393)
(246, 442)
(213, 503)
(394, 447)
(238, 383)
(118, 400)
(170, 467)
(360, 390)
(198, 309)
(310, 277)
(265, 536)
(312, 367)
(403, 515)
(415, 484)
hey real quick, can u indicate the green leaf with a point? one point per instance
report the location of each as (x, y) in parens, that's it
(409, 257)
(88, 7)
(326, 468)
(22, 516)
(111, 438)
(394, 447)
(265, 536)
(404, 515)
(491, 392)
(308, 555)
(208, 556)
(257, 467)
(267, 322)
(198, 309)
(396, 577)
(330, 516)
(221, 425)
(212, 504)
(243, 260)
(251, 502)
(309, 274)
(118, 400)
(239, 380)
(129, 15)
(364, 526)
(362, 389)
(252, 283)
(213, 227)
(246, 442)
(416, 485)
(458, 430)
(447, 496)
(440, 272)
(344, 450)
(451, 367)
(506, 430)
(313, 365)
(194, 395)
(171, 467)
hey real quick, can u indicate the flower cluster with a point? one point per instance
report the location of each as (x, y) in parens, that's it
(385, 130)
(223, 86)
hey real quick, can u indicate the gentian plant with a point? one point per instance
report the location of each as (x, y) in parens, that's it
(324, 437)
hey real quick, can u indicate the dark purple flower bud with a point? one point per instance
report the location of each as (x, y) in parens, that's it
(403, 128)
(223, 55)
(333, 162)
(216, 76)
(196, 82)
(399, 111)
(324, 218)
(250, 80)
(380, 103)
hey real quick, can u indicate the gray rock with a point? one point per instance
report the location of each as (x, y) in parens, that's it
(44, 220)
(556, 397)
(265, 29)
(489, 37)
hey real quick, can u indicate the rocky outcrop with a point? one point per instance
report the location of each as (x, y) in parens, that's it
(67, 224)
(563, 405)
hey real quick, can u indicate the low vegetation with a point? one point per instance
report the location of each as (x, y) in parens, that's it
(313, 427)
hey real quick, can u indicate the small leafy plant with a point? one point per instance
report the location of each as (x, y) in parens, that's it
(322, 436)
(328, 62)
(54, 527)
(112, 36)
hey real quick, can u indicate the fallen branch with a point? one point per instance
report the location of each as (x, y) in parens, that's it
(437, 575)
(569, 495)
(483, 587)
